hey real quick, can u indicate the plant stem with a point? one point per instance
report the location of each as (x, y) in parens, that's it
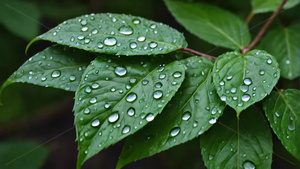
(264, 28)
(250, 16)
(197, 53)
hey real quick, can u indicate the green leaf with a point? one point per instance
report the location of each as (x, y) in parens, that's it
(283, 113)
(211, 23)
(116, 34)
(22, 154)
(271, 5)
(14, 13)
(233, 143)
(57, 66)
(283, 44)
(117, 97)
(194, 109)
(242, 80)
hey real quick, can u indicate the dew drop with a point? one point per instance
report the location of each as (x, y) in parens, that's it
(269, 61)
(152, 45)
(157, 94)
(153, 26)
(80, 37)
(158, 85)
(126, 129)
(175, 131)
(132, 45)
(72, 78)
(162, 76)
(186, 116)
(86, 111)
(95, 85)
(113, 89)
(223, 98)
(43, 79)
(110, 41)
(95, 123)
(261, 72)
(131, 97)
(212, 121)
(291, 127)
(214, 111)
(195, 124)
(287, 62)
(126, 30)
(132, 80)
(93, 100)
(55, 74)
(277, 114)
(95, 31)
(177, 74)
(145, 82)
(229, 77)
(136, 21)
(141, 39)
(244, 88)
(121, 71)
(247, 81)
(245, 98)
(233, 90)
(113, 118)
(83, 22)
(131, 111)
(100, 45)
(248, 165)
(107, 105)
(222, 83)
(149, 117)
(83, 29)
(88, 89)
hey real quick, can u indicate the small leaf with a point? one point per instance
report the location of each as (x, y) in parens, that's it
(211, 23)
(57, 66)
(117, 97)
(271, 5)
(115, 34)
(244, 143)
(242, 80)
(194, 109)
(283, 113)
(283, 44)
(14, 13)
(22, 154)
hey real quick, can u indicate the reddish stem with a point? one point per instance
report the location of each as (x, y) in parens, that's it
(250, 16)
(264, 28)
(197, 53)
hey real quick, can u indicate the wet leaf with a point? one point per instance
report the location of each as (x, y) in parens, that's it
(283, 113)
(283, 44)
(271, 5)
(245, 143)
(194, 109)
(57, 66)
(211, 23)
(117, 97)
(242, 80)
(22, 154)
(116, 34)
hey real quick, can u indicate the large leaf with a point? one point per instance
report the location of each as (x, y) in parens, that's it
(116, 34)
(271, 5)
(22, 154)
(117, 97)
(283, 44)
(193, 110)
(57, 66)
(283, 112)
(14, 13)
(242, 80)
(211, 23)
(245, 143)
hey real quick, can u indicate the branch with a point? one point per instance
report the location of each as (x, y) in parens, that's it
(197, 53)
(250, 16)
(263, 29)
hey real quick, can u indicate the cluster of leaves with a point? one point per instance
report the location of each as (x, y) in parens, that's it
(127, 71)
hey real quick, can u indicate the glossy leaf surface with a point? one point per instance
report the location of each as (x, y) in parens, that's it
(117, 97)
(211, 23)
(116, 34)
(283, 44)
(243, 144)
(283, 112)
(194, 109)
(242, 80)
(271, 5)
(57, 66)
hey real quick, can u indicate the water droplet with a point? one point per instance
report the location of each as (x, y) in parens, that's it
(107, 105)
(141, 39)
(100, 45)
(233, 90)
(212, 121)
(214, 111)
(157, 94)
(145, 82)
(43, 79)
(248, 165)
(95, 31)
(269, 61)
(210, 157)
(114, 20)
(131, 97)
(121, 71)
(186, 116)
(222, 83)
(83, 29)
(113, 89)
(149, 117)
(126, 129)
(93, 100)
(83, 22)
(195, 124)
(229, 77)
(131, 111)
(126, 30)
(136, 21)
(245, 98)
(72, 78)
(95, 85)
(88, 89)
(162, 76)
(55, 74)
(261, 72)
(86, 111)
(291, 127)
(54, 33)
(132, 80)
(158, 85)
(152, 45)
(95, 123)
(110, 41)
(133, 45)
(287, 62)
(247, 81)
(86, 41)
(153, 26)
(244, 88)
(277, 114)
(113, 118)
(177, 74)
(80, 37)
(223, 98)
(175, 131)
